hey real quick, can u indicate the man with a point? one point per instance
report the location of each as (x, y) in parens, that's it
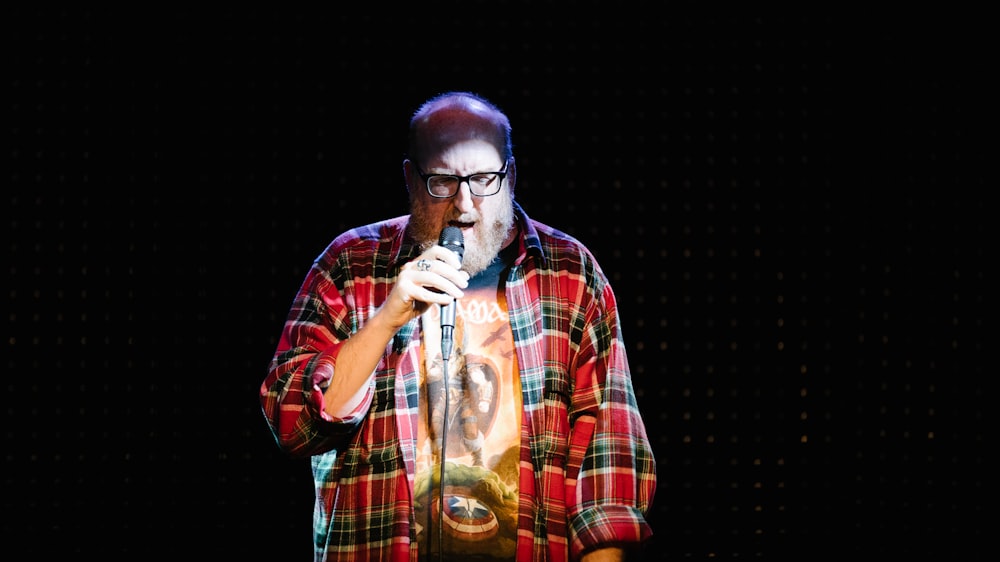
(522, 406)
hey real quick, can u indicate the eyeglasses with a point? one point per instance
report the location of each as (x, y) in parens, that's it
(482, 184)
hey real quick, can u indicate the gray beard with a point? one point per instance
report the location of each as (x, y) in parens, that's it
(477, 257)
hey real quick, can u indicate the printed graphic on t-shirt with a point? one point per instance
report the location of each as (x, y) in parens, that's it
(473, 418)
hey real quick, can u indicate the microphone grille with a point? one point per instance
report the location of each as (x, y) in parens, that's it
(451, 238)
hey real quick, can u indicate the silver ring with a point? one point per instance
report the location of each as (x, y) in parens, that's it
(423, 265)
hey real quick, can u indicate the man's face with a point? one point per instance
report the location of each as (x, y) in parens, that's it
(486, 222)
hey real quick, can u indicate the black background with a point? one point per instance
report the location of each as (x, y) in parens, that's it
(791, 207)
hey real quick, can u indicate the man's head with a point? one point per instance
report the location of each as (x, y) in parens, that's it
(461, 136)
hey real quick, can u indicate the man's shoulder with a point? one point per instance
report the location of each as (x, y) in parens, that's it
(551, 237)
(559, 250)
(372, 232)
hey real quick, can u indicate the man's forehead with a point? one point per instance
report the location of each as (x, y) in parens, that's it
(459, 135)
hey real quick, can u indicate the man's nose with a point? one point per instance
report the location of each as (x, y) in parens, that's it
(464, 199)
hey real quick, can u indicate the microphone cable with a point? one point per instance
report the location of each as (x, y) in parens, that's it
(444, 449)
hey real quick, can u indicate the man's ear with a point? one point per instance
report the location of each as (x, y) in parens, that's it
(512, 174)
(408, 171)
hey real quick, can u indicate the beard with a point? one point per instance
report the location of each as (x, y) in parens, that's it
(490, 234)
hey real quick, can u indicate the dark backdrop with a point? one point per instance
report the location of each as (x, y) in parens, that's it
(791, 208)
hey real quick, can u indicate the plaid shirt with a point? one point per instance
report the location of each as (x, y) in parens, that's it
(587, 473)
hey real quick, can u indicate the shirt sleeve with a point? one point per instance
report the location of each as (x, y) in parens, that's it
(616, 482)
(303, 364)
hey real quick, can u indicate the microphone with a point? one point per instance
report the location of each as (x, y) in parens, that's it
(451, 238)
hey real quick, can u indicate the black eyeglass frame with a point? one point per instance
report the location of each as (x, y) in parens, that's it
(501, 175)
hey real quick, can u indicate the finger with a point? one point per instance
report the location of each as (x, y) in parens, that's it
(442, 254)
(428, 271)
(423, 283)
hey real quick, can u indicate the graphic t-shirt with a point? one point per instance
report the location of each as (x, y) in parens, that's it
(476, 518)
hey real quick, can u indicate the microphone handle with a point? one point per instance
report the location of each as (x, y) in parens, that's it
(447, 329)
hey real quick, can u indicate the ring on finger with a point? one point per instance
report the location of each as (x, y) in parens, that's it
(423, 265)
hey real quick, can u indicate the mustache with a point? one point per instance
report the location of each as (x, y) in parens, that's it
(471, 217)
